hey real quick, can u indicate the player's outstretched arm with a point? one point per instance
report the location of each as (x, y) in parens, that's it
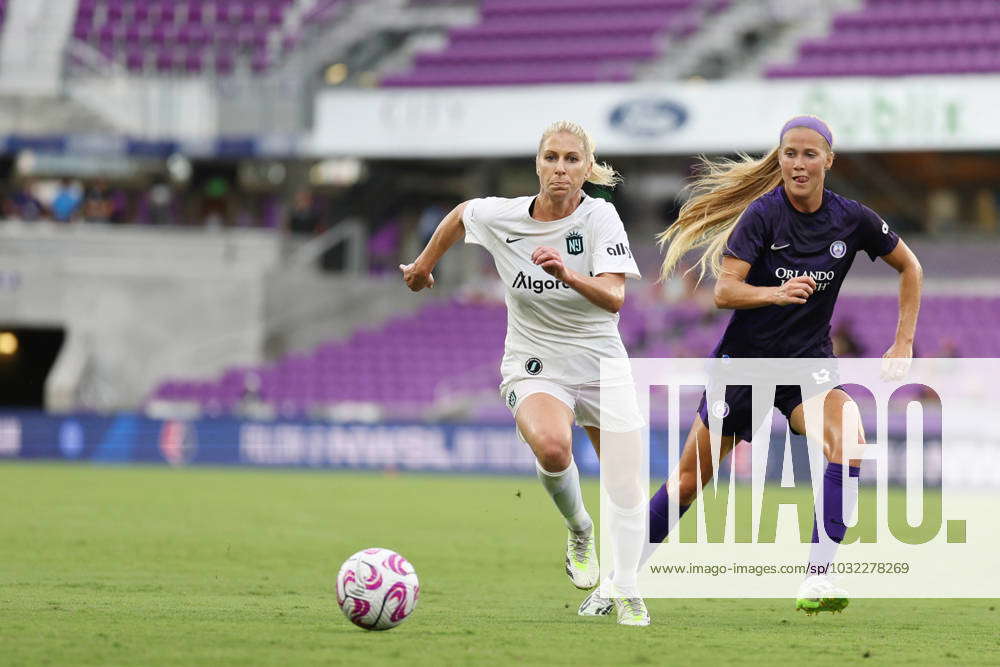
(911, 278)
(418, 275)
(732, 291)
(605, 290)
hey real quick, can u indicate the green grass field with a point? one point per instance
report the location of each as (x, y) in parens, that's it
(137, 565)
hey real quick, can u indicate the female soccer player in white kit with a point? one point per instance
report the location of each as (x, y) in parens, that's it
(564, 258)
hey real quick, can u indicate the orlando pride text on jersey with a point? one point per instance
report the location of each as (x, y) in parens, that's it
(781, 243)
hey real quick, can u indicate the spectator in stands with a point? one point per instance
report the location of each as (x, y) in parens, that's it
(987, 217)
(160, 202)
(383, 246)
(99, 204)
(69, 195)
(303, 217)
(215, 202)
(429, 219)
(450, 268)
(22, 204)
(306, 219)
(944, 211)
(251, 405)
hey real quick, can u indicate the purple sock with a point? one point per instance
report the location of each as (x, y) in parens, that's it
(833, 505)
(659, 515)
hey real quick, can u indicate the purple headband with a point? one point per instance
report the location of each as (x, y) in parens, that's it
(812, 123)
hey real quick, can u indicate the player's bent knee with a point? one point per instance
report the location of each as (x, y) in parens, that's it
(554, 453)
(554, 460)
(839, 450)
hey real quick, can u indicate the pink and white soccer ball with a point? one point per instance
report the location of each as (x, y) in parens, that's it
(377, 589)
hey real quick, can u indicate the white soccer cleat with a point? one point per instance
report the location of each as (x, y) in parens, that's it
(632, 611)
(581, 560)
(595, 605)
(817, 593)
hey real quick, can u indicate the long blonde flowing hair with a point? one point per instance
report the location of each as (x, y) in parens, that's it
(602, 173)
(719, 194)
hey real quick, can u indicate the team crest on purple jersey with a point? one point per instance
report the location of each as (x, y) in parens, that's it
(720, 409)
(838, 249)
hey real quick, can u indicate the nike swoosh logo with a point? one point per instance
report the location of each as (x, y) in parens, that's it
(514, 240)
(779, 247)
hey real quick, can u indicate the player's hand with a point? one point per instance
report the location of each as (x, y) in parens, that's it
(896, 361)
(551, 261)
(415, 278)
(795, 290)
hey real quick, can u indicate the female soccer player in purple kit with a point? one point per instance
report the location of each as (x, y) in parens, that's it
(765, 225)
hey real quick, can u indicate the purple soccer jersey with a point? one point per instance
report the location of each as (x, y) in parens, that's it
(781, 243)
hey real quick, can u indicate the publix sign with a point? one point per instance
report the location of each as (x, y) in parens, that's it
(908, 114)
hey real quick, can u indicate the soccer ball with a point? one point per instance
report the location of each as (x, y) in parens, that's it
(377, 589)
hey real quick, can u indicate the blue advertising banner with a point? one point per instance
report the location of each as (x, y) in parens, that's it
(133, 438)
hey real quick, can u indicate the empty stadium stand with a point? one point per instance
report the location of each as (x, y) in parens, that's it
(561, 41)
(904, 37)
(197, 36)
(410, 362)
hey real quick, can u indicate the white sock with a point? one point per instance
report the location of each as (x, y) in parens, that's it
(647, 551)
(628, 537)
(564, 487)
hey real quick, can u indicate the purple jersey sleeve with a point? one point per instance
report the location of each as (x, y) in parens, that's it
(749, 236)
(876, 238)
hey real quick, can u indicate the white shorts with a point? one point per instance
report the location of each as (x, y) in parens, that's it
(621, 408)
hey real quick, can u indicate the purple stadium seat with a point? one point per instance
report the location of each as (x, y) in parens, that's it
(194, 61)
(135, 60)
(525, 42)
(81, 30)
(260, 60)
(123, 29)
(400, 364)
(165, 60)
(165, 13)
(900, 37)
(115, 12)
(195, 14)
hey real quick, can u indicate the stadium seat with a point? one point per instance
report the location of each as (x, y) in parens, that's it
(188, 36)
(904, 37)
(456, 347)
(594, 42)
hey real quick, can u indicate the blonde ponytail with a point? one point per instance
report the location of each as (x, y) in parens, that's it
(601, 173)
(721, 192)
(604, 174)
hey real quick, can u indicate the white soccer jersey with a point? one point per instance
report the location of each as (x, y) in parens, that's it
(552, 330)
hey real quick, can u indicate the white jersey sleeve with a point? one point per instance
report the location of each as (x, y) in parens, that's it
(611, 250)
(476, 218)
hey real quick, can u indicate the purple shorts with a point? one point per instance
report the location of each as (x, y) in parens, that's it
(736, 410)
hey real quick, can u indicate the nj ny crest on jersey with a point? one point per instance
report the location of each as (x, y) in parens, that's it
(574, 242)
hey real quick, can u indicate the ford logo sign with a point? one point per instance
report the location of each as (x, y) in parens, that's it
(648, 117)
